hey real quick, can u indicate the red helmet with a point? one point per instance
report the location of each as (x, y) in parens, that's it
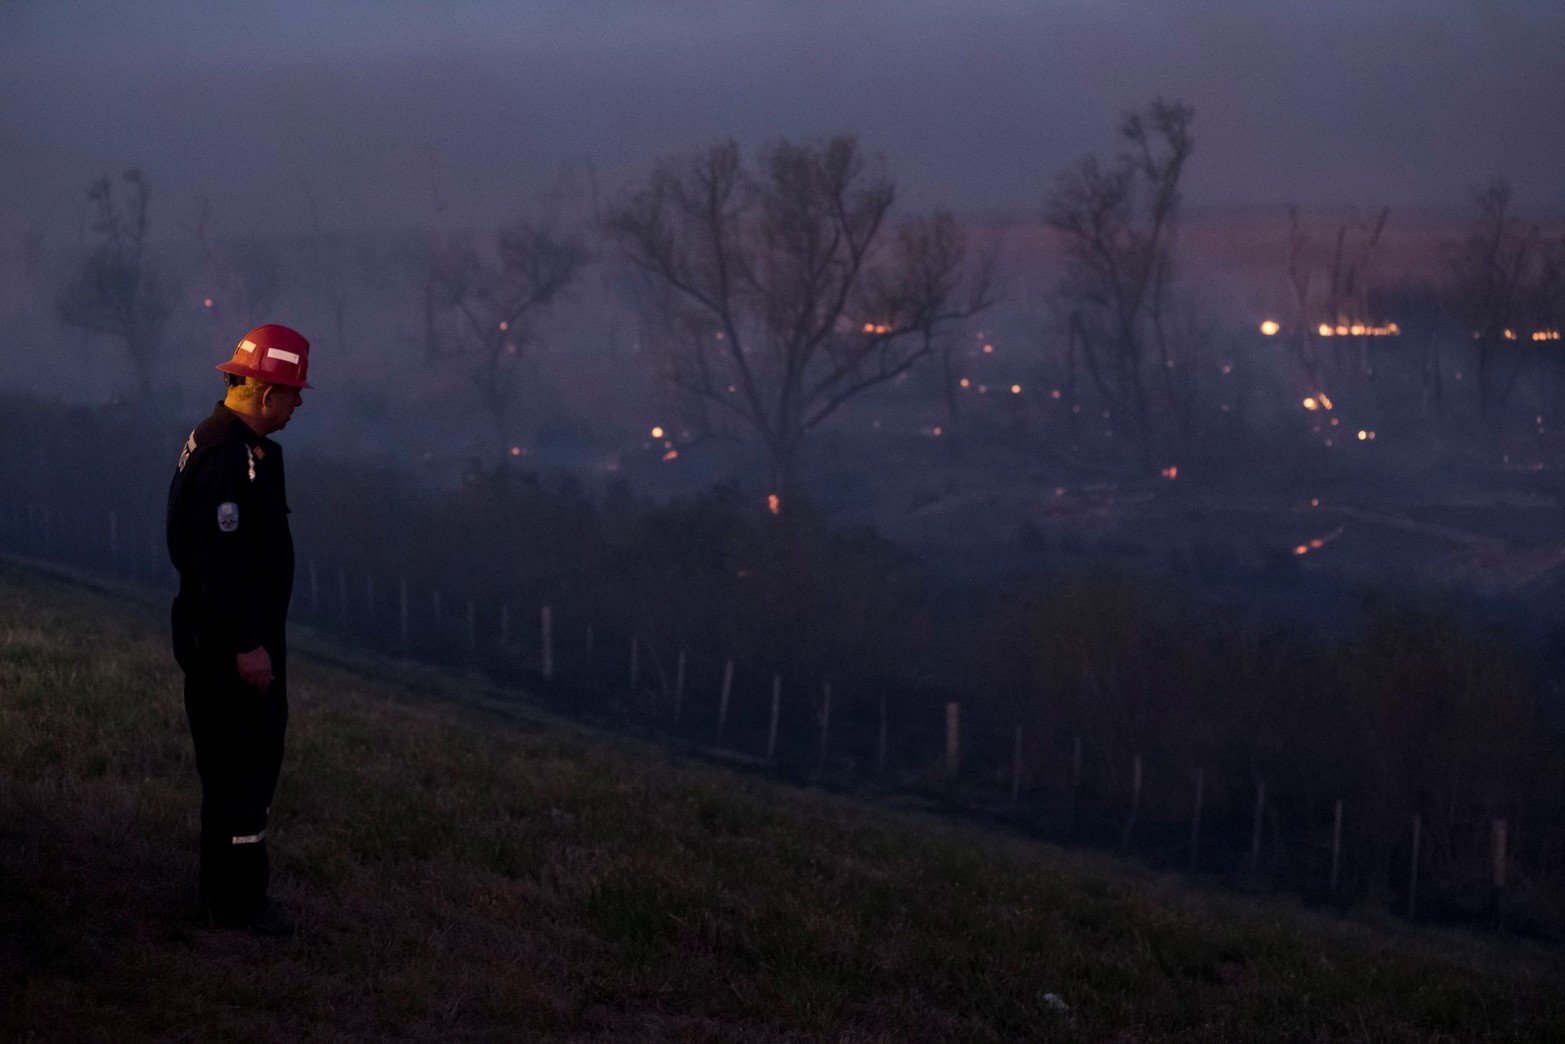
(271, 353)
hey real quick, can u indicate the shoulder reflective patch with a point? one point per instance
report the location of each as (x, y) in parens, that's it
(228, 516)
(190, 447)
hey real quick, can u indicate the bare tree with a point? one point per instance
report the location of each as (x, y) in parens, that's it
(1118, 219)
(1327, 328)
(485, 306)
(782, 291)
(1495, 276)
(118, 291)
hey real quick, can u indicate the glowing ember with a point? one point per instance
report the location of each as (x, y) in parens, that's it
(672, 454)
(1016, 389)
(988, 349)
(1171, 472)
(516, 451)
(773, 503)
(1324, 402)
(1270, 328)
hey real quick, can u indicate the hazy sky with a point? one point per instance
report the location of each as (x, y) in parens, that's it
(385, 107)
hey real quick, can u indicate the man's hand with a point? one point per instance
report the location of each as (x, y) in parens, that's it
(255, 667)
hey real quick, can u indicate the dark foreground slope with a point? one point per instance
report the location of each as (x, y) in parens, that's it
(467, 868)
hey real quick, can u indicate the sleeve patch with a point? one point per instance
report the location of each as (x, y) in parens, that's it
(228, 516)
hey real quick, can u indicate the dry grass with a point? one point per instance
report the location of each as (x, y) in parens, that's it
(468, 868)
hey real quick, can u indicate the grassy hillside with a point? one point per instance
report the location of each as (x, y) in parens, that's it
(468, 868)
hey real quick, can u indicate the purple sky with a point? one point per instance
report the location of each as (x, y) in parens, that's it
(976, 103)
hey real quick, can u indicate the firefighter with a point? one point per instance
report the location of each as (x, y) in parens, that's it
(228, 537)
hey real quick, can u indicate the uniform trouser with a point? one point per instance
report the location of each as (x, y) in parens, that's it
(238, 734)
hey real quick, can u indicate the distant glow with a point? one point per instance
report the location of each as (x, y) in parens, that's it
(1545, 335)
(1171, 472)
(965, 382)
(937, 429)
(1301, 550)
(1509, 335)
(1055, 394)
(672, 454)
(1325, 402)
(1016, 389)
(988, 349)
(657, 433)
(876, 328)
(1363, 435)
(504, 325)
(773, 503)
(1315, 502)
(1325, 331)
(1310, 403)
(516, 451)
(208, 304)
(1227, 369)
(1270, 328)
(983, 389)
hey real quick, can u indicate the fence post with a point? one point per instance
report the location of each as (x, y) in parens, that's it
(1412, 870)
(315, 590)
(1497, 839)
(953, 736)
(771, 731)
(1135, 801)
(1195, 817)
(1255, 832)
(1075, 774)
(403, 600)
(1336, 848)
(881, 751)
(820, 757)
(722, 700)
(1016, 768)
(546, 639)
(679, 683)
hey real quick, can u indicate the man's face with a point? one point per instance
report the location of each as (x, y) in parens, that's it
(278, 405)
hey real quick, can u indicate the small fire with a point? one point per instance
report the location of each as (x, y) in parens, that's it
(773, 503)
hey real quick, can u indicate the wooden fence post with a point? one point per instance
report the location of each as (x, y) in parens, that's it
(1336, 848)
(679, 683)
(1075, 773)
(825, 723)
(771, 732)
(1497, 839)
(546, 640)
(880, 760)
(1135, 801)
(1195, 818)
(1412, 870)
(722, 700)
(402, 593)
(1255, 832)
(953, 736)
(1016, 768)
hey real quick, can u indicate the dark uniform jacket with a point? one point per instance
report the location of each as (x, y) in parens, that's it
(228, 537)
